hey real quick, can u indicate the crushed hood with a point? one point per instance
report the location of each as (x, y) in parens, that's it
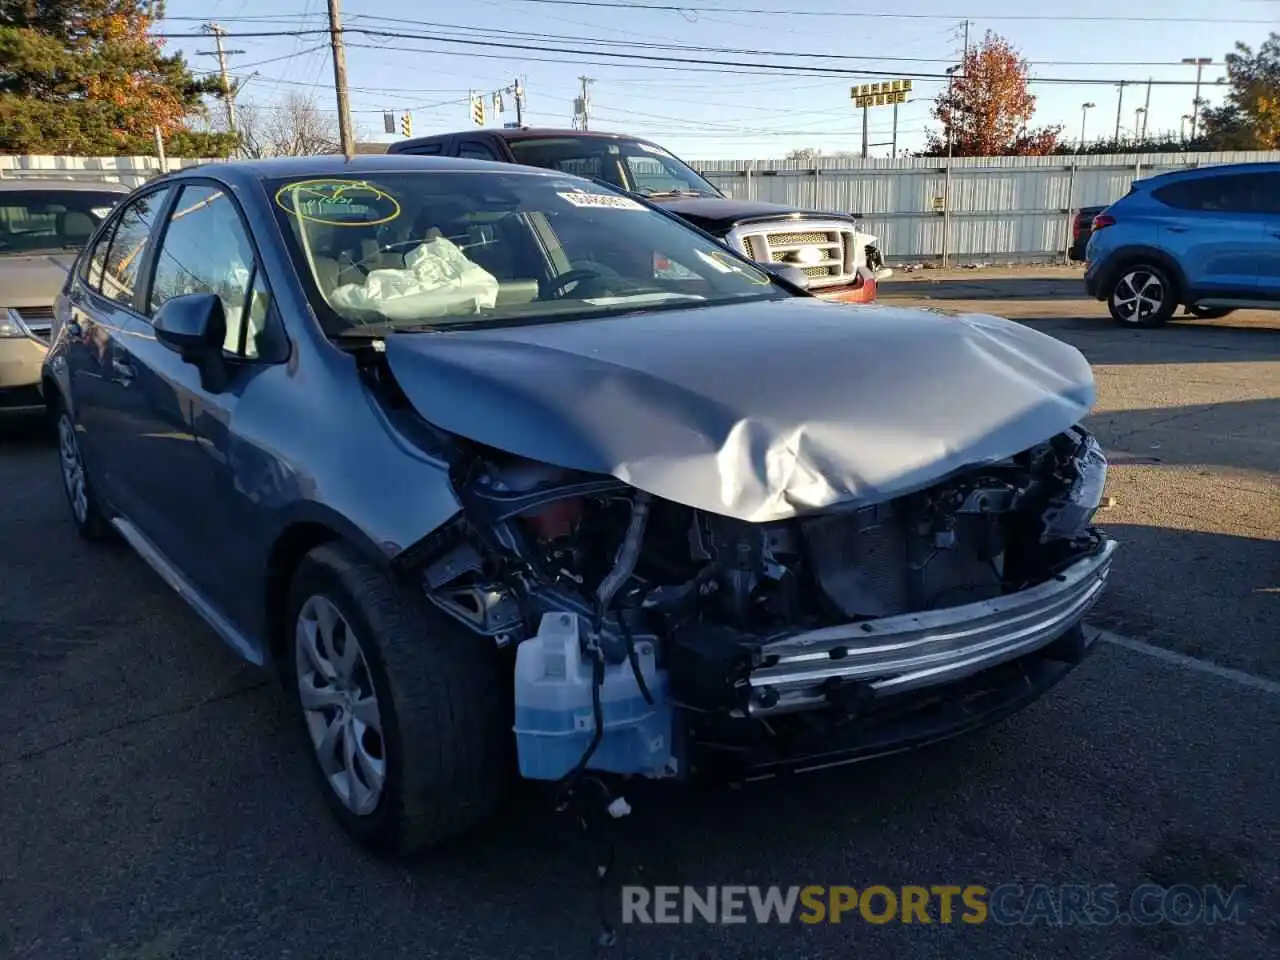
(760, 410)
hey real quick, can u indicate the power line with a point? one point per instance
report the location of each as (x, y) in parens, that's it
(754, 68)
(746, 51)
(876, 14)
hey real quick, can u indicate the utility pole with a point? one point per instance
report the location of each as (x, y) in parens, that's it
(1146, 110)
(1199, 63)
(518, 91)
(1119, 107)
(340, 80)
(228, 95)
(894, 147)
(582, 106)
(865, 130)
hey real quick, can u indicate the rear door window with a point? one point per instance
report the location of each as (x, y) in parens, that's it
(476, 150)
(1226, 193)
(122, 266)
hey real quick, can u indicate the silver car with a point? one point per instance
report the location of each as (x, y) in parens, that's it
(450, 447)
(43, 225)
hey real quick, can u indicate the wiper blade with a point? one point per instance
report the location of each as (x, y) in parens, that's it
(657, 194)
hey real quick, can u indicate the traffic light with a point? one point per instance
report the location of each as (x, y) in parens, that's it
(406, 125)
(477, 111)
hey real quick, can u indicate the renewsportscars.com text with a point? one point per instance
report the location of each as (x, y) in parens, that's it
(1008, 904)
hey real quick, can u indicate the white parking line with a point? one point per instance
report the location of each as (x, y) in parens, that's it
(1191, 663)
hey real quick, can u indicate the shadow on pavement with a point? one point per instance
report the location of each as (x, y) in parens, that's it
(1209, 595)
(28, 433)
(980, 288)
(1241, 434)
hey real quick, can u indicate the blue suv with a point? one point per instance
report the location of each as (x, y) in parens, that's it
(1205, 238)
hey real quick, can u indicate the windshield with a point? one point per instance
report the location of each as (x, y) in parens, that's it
(434, 248)
(630, 164)
(51, 219)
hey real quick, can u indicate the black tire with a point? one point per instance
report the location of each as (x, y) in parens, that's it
(1209, 313)
(86, 512)
(446, 737)
(1142, 295)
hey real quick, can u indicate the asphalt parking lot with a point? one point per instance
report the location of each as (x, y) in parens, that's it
(157, 802)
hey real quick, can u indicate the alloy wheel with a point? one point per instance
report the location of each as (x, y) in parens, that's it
(72, 469)
(340, 705)
(1138, 296)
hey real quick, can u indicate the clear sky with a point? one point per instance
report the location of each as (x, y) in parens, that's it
(705, 111)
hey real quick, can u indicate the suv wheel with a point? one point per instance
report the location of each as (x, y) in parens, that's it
(1142, 296)
(402, 708)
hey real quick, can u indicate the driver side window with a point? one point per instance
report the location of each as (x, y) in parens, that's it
(206, 249)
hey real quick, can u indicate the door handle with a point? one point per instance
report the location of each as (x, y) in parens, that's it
(1176, 229)
(124, 372)
(1275, 233)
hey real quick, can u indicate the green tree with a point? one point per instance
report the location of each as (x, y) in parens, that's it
(986, 107)
(85, 77)
(1250, 117)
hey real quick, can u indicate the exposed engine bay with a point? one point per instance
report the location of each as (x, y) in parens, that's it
(639, 623)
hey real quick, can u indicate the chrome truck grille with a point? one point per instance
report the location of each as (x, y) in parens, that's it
(824, 250)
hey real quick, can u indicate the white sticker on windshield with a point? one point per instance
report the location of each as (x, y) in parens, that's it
(580, 198)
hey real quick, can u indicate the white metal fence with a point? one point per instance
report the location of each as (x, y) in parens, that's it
(966, 209)
(131, 171)
(921, 208)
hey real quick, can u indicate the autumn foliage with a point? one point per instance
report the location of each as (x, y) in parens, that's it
(87, 77)
(1250, 117)
(987, 107)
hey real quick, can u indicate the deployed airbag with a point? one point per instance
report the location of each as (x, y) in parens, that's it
(436, 280)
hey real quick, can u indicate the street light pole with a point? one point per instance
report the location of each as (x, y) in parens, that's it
(1199, 63)
(1084, 116)
(1139, 118)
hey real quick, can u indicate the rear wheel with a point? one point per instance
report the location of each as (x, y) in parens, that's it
(402, 708)
(1142, 296)
(1209, 313)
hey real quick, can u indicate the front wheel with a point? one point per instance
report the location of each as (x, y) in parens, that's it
(1142, 296)
(402, 708)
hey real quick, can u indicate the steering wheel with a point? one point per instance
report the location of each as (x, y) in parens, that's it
(556, 285)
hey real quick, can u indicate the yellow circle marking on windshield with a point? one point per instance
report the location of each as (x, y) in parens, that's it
(333, 192)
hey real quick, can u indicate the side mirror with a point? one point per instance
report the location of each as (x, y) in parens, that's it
(786, 273)
(194, 326)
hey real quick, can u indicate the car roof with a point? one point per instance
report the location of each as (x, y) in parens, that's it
(528, 133)
(1191, 173)
(50, 183)
(240, 171)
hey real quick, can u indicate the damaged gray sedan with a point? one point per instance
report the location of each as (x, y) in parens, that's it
(500, 470)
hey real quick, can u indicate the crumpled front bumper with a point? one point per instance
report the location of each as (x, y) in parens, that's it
(931, 649)
(864, 290)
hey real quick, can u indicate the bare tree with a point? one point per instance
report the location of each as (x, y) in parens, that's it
(292, 127)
